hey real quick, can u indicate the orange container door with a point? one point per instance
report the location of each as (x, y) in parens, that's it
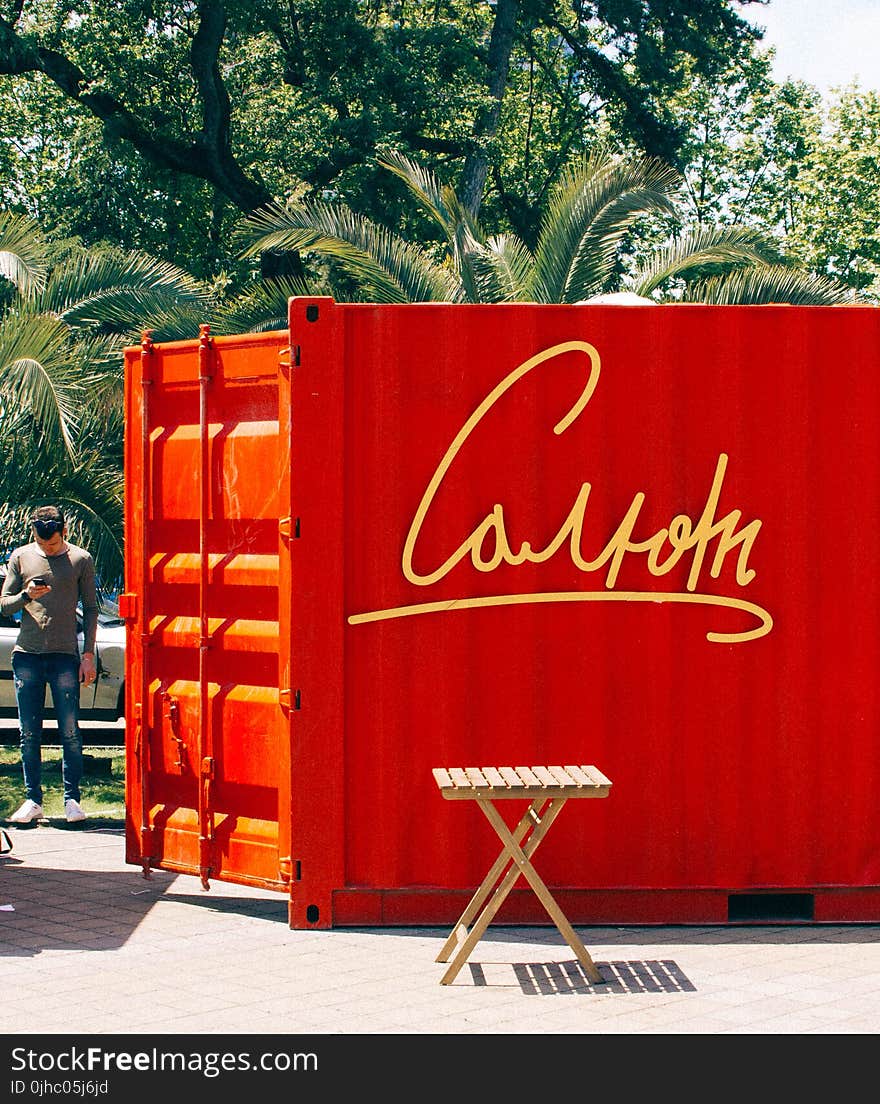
(208, 740)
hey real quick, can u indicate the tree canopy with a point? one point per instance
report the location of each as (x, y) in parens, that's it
(218, 106)
(545, 150)
(67, 314)
(591, 209)
(156, 124)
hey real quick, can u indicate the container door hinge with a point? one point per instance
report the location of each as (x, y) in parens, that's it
(289, 699)
(147, 361)
(128, 607)
(289, 528)
(288, 869)
(288, 357)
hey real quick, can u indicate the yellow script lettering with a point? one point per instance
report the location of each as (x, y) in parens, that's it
(488, 546)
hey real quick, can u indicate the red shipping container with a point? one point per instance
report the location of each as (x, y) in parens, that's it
(401, 537)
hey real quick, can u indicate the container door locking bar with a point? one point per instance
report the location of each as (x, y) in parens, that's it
(206, 731)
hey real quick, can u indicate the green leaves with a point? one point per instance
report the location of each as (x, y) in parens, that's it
(119, 292)
(503, 270)
(386, 268)
(23, 253)
(771, 284)
(594, 206)
(61, 340)
(591, 208)
(712, 248)
(262, 307)
(36, 375)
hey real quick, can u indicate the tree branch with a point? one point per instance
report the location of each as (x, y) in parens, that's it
(652, 134)
(208, 157)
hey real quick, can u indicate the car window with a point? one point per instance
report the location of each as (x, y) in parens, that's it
(108, 615)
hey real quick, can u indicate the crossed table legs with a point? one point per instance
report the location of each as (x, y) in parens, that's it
(515, 859)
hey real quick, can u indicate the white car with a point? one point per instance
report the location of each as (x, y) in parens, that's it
(104, 700)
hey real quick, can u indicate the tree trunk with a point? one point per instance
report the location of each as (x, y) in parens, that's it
(476, 165)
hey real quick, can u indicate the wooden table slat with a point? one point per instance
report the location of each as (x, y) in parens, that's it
(477, 779)
(580, 776)
(562, 776)
(494, 777)
(528, 779)
(460, 779)
(510, 777)
(442, 778)
(545, 777)
(597, 776)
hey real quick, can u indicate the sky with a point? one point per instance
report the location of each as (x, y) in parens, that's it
(825, 42)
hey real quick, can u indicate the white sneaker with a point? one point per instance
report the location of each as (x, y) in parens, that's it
(29, 811)
(73, 811)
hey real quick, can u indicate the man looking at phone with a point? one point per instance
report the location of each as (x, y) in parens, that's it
(45, 580)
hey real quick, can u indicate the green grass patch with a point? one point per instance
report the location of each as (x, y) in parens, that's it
(102, 786)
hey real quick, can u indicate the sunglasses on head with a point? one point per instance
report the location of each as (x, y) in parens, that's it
(46, 528)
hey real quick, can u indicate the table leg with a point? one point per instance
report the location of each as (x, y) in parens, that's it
(545, 896)
(541, 825)
(530, 818)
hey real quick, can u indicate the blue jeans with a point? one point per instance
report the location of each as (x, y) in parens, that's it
(33, 673)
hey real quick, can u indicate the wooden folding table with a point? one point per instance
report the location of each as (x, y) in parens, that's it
(546, 789)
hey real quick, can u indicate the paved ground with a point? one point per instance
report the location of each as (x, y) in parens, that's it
(91, 942)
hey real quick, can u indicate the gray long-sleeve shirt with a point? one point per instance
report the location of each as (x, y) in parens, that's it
(48, 624)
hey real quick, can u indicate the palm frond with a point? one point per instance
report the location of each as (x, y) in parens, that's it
(463, 234)
(263, 307)
(770, 284)
(590, 209)
(115, 289)
(96, 362)
(503, 269)
(465, 241)
(36, 372)
(23, 252)
(724, 246)
(387, 268)
(431, 194)
(129, 314)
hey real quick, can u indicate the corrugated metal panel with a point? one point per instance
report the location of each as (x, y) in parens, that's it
(480, 570)
(209, 751)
